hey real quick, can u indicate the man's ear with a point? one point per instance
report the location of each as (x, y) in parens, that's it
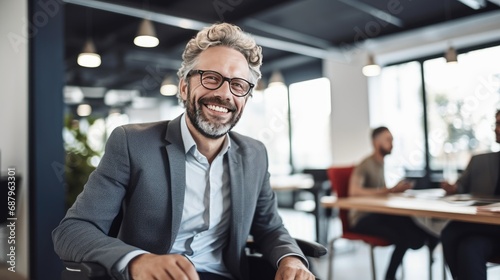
(183, 89)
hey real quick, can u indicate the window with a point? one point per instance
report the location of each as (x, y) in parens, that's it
(310, 107)
(397, 103)
(266, 118)
(456, 119)
(462, 102)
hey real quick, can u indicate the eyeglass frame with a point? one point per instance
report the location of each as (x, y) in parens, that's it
(224, 79)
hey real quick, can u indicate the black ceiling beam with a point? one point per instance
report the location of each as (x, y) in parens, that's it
(191, 24)
(287, 33)
(382, 15)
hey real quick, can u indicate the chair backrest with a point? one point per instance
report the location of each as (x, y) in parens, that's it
(495, 259)
(339, 179)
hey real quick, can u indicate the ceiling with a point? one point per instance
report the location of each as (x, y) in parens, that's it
(295, 34)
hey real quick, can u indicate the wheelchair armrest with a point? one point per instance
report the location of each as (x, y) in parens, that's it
(84, 270)
(95, 271)
(311, 249)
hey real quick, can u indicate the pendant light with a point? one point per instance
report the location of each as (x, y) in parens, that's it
(84, 110)
(88, 57)
(146, 35)
(371, 69)
(451, 56)
(276, 79)
(168, 87)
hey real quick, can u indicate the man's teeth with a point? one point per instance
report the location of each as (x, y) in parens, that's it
(217, 108)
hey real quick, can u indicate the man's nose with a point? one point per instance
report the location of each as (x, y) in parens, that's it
(224, 91)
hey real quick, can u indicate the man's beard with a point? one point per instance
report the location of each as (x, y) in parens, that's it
(208, 128)
(384, 151)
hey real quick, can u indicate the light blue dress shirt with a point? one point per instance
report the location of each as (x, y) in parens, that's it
(204, 228)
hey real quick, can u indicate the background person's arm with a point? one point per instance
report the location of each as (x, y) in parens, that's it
(356, 187)
(463, 184)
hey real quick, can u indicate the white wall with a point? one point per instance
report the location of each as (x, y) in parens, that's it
(350, 116)
(14, 115)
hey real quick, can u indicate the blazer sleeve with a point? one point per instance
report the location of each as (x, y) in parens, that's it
(82, 234)
(268, 230)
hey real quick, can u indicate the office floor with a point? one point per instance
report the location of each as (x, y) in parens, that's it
(352, 259)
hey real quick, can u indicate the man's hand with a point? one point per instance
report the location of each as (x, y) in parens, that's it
(292, 268)
(402, 186)
(449, 188)
(162, 267)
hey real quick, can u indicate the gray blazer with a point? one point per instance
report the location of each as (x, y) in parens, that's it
(143, 173)
(481, 175)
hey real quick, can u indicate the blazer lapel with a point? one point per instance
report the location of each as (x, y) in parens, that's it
(236, 177)
(237, 204)
(177, 169)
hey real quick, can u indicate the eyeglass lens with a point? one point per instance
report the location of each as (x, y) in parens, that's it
(213, 80)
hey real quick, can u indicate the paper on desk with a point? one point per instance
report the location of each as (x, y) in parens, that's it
(494, 207)
(460, 199)
(470, 200)
(425, 193)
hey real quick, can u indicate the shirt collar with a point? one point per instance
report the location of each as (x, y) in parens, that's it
(189, 142)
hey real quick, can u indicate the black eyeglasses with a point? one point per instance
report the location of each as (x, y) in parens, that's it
(213, 80)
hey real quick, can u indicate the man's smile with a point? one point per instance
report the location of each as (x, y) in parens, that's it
(217, 108)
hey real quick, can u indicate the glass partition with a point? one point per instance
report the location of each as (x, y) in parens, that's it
(396, 102)
(462, 100)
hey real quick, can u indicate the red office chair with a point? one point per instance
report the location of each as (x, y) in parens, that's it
(339, 179)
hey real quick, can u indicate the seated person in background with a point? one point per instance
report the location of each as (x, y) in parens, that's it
(468, 246)
(368, 179)
(190, 190)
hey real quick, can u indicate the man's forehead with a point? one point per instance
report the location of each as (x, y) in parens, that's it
(223, 59)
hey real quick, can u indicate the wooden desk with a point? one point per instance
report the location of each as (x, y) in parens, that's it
(411, 206)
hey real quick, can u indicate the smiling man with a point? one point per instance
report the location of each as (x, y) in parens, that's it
(191, 191)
